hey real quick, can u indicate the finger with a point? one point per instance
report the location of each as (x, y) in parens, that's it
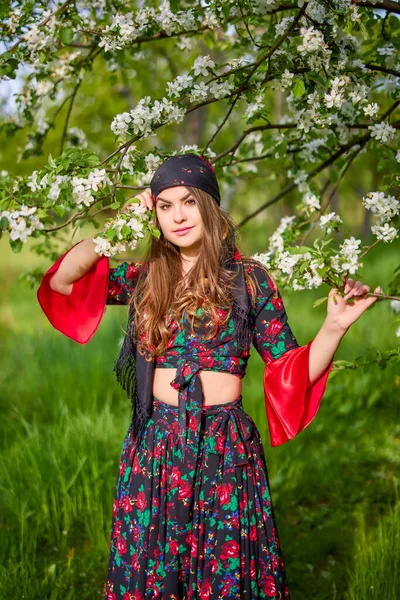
(349, 294)
(371, 299)
(334, 294)
(148, 199)
(359, 289)
(348, 285)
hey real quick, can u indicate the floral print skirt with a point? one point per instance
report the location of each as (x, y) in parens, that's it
(212, 538)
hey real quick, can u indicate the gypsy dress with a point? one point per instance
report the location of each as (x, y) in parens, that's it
(192, 516)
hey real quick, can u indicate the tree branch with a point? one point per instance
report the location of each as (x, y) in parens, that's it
(361, 140)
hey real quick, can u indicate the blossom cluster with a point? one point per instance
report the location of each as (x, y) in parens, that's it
(142, 119)
(347, 259)
(22, 223)
(313, 48)
(385, 208)
(147, 114)
(126, 231)
(82, 187)
(125, 27)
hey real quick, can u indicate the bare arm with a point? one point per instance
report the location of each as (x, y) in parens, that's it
(341, 315)
(74, 265)
(323, 348)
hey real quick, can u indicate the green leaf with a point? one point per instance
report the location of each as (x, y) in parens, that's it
(114, 205)
(320, 301)
(126, 231)
(3, 223)
(298, 88)
(364, 30)
(110, 234)
(66, 35)
(59, 210)
(300, 249)
(52, 162)
(9, 68)
(16, 246)
(120, 196)
(156, 232)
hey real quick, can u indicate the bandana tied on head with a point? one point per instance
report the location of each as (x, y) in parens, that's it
(133, 371)
(186, 169)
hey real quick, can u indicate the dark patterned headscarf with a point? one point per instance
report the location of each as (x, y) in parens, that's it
(186, 169)
(134, 371)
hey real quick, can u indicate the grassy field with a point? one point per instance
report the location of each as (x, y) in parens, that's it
(335, 488)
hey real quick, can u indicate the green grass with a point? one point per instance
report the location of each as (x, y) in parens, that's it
(334, 488)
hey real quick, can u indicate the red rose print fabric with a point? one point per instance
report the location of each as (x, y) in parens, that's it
(193, 516)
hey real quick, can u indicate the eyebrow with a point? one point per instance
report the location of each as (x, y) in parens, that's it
(168, 202)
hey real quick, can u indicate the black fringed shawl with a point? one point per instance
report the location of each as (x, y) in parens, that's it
(134, 371)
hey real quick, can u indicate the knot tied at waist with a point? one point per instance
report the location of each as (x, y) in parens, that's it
(191, 406)
(190, 400)
(227, 443)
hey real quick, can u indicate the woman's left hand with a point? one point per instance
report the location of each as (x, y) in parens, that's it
(344, 314)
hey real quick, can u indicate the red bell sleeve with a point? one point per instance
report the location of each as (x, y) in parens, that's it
(291, 399)
(78, 314)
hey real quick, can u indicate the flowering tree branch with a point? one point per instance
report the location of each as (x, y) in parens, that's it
(324, 68)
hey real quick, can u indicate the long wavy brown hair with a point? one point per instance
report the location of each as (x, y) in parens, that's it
(163, 294)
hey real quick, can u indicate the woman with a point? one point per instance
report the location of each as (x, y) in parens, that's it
(192, 516)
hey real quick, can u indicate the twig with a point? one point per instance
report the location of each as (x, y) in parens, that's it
(335, 187)
(75, 216)
(73, 95)
(222, 124)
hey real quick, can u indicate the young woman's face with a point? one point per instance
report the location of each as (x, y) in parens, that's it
(178, 210)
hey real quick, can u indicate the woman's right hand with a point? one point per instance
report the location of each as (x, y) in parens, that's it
(145, 200)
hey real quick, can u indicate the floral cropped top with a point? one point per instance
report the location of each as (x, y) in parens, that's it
(270, 332)
(291, 399)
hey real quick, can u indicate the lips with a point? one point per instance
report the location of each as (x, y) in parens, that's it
(182, 230)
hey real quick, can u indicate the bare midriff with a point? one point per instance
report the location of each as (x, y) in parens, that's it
(218, 387)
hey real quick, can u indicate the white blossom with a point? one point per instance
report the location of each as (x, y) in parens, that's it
(283, 25)
(263, 258)
(120, 124)
(199, 92)
(385, 207)
(43, 87)
(136, 226)
(385, 232)
(202, 64)
(329, 221)
(220, 90)
(382, 131)
(311, 201)
(55, 187)
(102, 246)
(178, 85)
(152, 161)
(21, 222)
(371, 109)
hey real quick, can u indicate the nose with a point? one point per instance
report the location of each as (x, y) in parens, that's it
(179, 215)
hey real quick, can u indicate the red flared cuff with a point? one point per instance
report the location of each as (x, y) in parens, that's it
(78, 314)
(291, 399)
